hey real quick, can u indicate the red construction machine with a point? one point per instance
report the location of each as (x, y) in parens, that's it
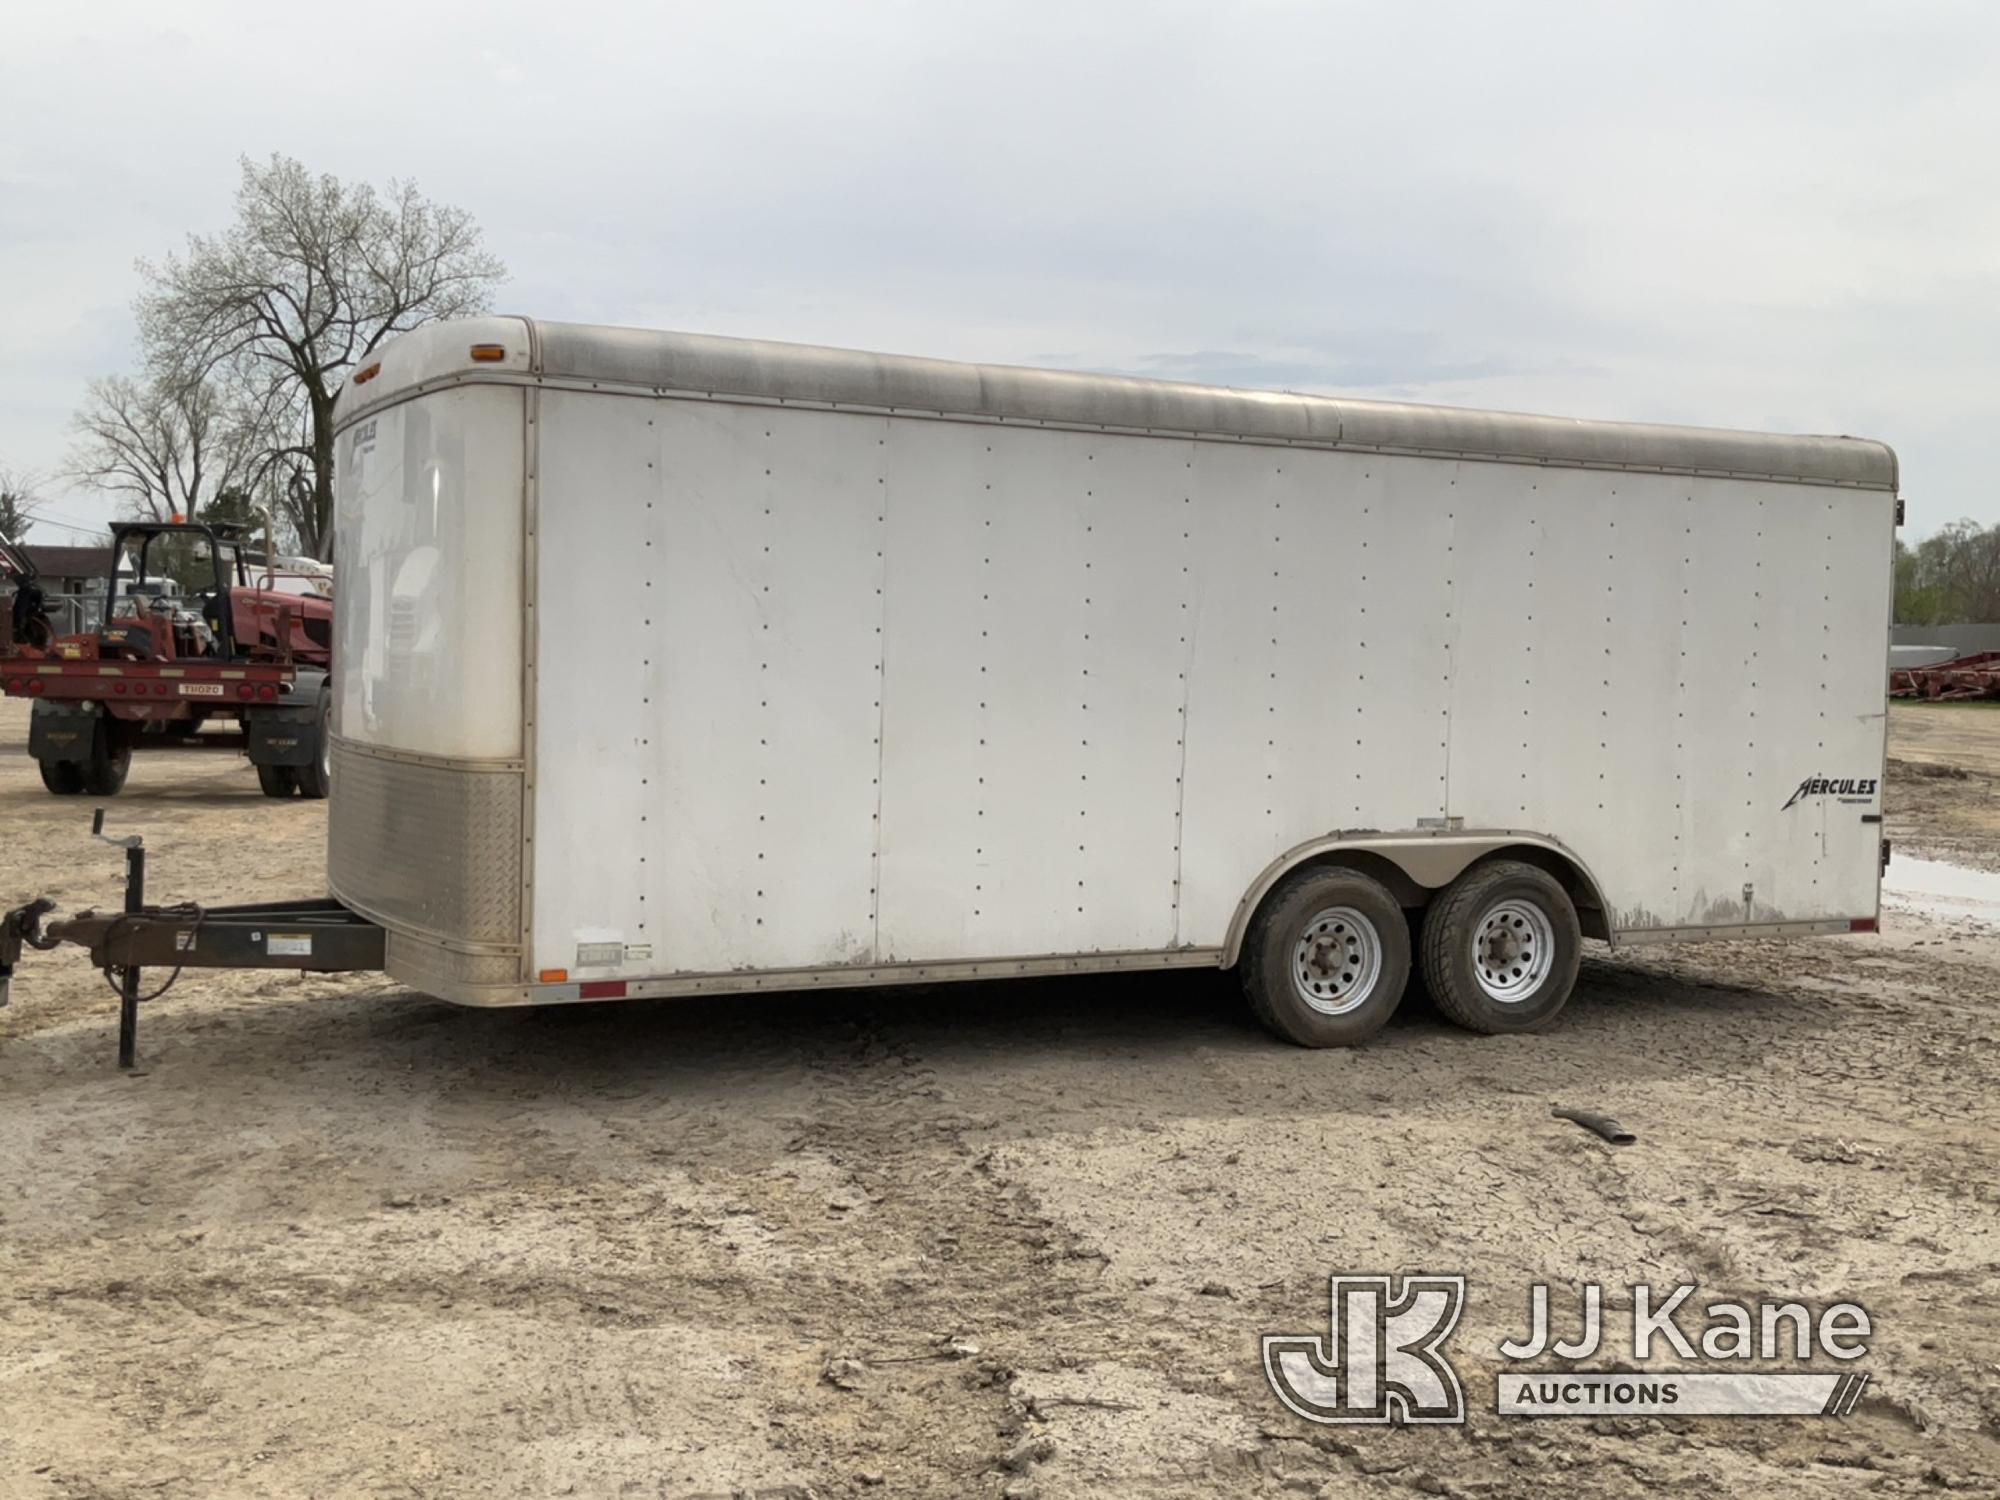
(189, 632)
(1964, 677)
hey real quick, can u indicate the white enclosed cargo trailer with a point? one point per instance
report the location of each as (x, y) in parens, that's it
(677, 664)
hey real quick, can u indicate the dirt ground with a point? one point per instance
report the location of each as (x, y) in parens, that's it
(1944, 773)
(337, 1239)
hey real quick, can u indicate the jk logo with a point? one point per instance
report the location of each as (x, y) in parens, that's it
(1381, 1362)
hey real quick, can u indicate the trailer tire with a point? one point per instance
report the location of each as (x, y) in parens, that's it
(110, 759)
(1501, 948)
(316, 780)
(63, 777)
(276, 781)
(1327, 959)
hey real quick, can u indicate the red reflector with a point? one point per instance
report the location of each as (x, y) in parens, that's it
(244, 690)
(267, 692)
(117, 687)
(1863, 924)
(601, 989)
(35, 685)
(13, 684)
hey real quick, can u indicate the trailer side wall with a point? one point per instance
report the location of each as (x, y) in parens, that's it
(822, 689)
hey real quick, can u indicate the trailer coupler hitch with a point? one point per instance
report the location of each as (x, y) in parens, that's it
(22, 927)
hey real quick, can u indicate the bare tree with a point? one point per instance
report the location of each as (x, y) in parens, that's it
(1951, 577)
(166, 445)
(18, 503)
(1967, 568)
(312, 278)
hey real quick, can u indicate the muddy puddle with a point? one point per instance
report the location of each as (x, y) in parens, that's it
(1935, 888)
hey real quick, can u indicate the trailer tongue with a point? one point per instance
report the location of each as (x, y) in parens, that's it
(319, 935)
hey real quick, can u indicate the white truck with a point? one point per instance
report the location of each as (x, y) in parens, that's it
(676, 664)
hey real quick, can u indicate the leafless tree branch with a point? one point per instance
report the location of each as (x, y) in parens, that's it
(314, 275)
(18, 502)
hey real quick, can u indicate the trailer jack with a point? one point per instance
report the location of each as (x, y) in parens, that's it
(317, 935)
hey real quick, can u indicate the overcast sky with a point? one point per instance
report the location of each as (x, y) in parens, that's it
(1779, 216)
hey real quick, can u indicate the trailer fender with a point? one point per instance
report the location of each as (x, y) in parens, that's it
(1416, 865)
(287, 733)
(60, 731)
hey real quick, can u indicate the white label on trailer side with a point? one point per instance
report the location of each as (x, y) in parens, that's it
(289, 945)
(201, 690)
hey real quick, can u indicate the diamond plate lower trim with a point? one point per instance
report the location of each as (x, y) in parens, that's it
(431, 851)
(464, 978)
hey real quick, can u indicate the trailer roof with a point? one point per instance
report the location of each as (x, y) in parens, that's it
(709, 365)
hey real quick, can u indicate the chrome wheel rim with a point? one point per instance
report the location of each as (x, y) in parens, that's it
(1513, 949)
(1336, 961)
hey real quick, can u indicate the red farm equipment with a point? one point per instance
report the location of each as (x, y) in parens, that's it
(188, 632)
(1967, 677)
